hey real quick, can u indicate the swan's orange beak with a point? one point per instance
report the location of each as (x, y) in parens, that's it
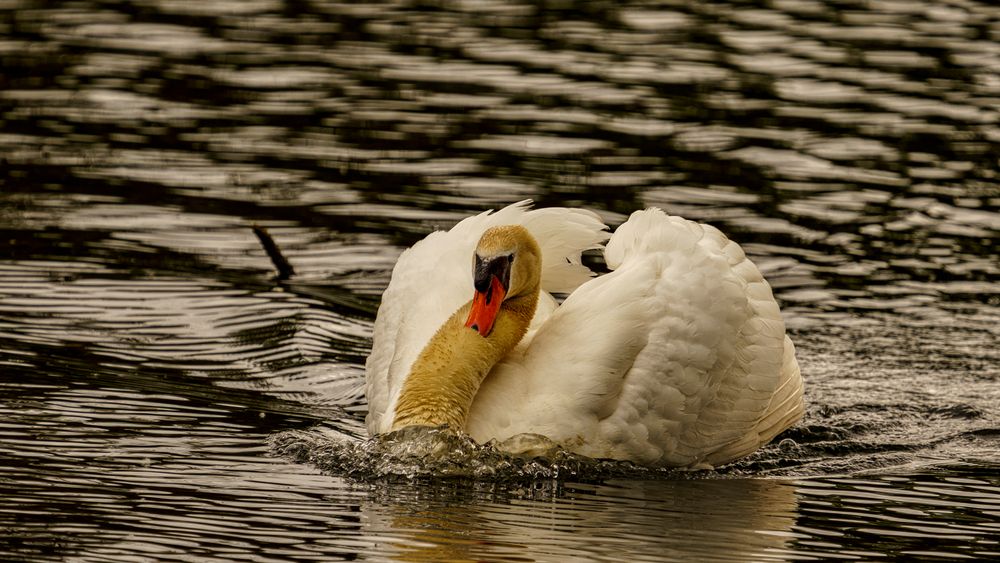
(485, 306)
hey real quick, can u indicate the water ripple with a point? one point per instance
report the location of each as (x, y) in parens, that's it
(149, 352)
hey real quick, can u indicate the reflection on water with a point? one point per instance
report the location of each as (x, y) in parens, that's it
(147, 352)
(650, 520)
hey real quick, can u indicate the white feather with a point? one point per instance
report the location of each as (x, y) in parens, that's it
(434, 278)
(677, 357)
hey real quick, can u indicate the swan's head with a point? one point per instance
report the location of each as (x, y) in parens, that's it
(506, 265)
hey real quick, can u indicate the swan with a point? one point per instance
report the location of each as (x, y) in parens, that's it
(677, 357)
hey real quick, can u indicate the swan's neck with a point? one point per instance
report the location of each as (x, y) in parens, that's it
(445, 377)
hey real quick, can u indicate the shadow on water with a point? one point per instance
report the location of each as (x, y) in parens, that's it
(148, 355)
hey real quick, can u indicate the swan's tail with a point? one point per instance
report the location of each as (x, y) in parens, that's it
(784, 410)
(786, 406)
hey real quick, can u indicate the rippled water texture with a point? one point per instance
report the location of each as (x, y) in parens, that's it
(164, 396)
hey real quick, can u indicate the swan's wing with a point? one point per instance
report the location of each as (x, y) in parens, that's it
(433, 279)
(674, 358)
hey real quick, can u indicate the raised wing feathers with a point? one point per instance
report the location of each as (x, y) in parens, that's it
(673, 358)
(432, 279)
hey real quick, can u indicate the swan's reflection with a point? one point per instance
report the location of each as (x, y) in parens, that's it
(684, 520)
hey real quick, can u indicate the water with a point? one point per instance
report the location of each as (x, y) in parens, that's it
(150, 360)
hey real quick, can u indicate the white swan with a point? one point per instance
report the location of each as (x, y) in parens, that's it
(677, 357)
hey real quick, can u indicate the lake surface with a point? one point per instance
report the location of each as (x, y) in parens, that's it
(150, 359)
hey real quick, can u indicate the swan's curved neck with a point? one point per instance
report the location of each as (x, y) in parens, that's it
(445, 377)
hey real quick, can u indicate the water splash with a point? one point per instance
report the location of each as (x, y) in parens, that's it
(419, 452)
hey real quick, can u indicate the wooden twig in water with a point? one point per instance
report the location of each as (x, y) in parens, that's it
(285, 269)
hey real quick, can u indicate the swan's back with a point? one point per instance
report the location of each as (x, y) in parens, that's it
(754, 387)
(677, 357)
(432, 279)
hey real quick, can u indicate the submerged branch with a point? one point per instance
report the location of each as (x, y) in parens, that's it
(285, 269)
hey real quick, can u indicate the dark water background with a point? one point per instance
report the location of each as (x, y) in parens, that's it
(147, 353)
